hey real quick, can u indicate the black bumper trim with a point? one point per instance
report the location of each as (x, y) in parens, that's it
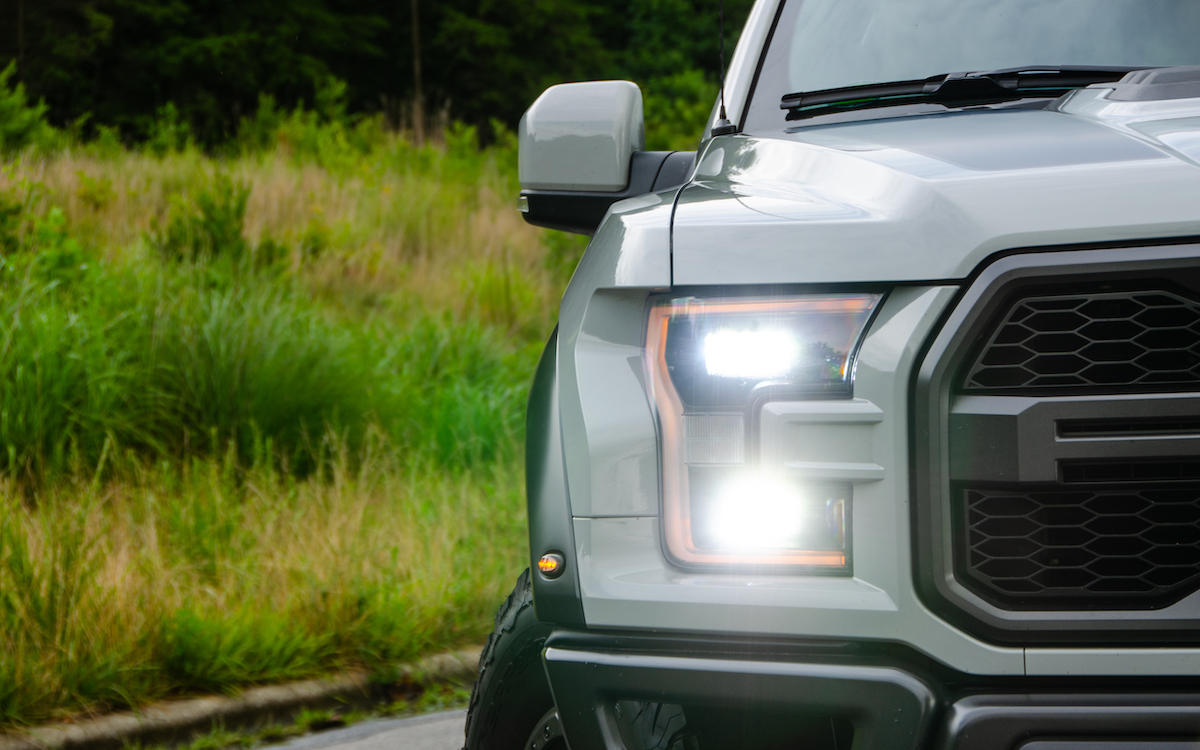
(1005, 722)
(889, 708)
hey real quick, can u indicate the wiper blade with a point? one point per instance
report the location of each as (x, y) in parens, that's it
(955, 89)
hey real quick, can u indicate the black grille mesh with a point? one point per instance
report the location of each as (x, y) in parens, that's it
(1103, 339)
(1074, 549)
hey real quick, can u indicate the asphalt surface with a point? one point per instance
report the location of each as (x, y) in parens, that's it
(439, 731)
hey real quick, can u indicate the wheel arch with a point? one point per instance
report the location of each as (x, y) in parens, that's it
(558, 600)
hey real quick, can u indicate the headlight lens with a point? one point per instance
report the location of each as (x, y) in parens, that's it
(713, 363)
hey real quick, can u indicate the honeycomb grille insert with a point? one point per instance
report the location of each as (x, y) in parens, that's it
(1100, 340)
(1081, 549)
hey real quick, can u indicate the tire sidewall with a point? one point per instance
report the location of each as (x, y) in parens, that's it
(511, 693)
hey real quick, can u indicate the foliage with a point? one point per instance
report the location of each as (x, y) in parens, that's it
(11, 210)
(677, 109)
(168, 132)
(213, 229)
(21, 123)
(123, 60)
(209, 577)
(217, 62)
(254, 402)
(170, 363)
(376, 313)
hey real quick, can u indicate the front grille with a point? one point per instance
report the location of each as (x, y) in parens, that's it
(1081, 549)
(1107, 340)
(1056, 449)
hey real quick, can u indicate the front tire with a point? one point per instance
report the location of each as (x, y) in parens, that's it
(511, 698)
(511, 704)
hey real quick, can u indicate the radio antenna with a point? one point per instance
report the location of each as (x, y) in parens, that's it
(723, 126)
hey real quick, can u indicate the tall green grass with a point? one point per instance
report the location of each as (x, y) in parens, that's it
(195, 334)
(212, 576)
(261, 412)
(168, 362)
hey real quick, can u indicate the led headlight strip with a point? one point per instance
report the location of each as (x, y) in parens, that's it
(712, 364)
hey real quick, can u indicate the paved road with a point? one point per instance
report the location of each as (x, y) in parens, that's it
(440, 731)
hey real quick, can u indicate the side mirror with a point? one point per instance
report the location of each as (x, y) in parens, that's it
(581, 136)
(582, 149)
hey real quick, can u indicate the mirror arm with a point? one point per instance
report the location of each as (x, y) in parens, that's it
(581, 212)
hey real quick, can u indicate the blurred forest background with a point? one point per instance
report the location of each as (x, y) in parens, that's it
(269, 317)
(118, 63)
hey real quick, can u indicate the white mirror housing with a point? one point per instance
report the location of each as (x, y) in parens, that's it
(581, 137)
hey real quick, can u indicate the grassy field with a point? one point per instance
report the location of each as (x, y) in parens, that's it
(261, 412)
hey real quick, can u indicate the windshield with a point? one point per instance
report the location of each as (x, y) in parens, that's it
(824, 44)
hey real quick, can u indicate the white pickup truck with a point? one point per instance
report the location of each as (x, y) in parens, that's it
(874, 423)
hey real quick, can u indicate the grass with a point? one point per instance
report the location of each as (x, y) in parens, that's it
(214, 576)
(261, 413)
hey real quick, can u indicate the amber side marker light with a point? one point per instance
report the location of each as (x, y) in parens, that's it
(551, 565)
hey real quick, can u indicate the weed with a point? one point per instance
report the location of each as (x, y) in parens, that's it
(168, 133)
(316, 239)
(57, 257)
(96, 193)
(213, 229)
(258, 133)
(106, 144)
(11, 210)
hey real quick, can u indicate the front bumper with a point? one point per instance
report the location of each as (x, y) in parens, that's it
(889, 702)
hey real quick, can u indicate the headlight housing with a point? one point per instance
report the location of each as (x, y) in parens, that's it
(712, 364)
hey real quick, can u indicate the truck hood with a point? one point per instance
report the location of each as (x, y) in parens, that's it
(929, 197)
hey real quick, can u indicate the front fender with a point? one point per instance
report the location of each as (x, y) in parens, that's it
(554, 601)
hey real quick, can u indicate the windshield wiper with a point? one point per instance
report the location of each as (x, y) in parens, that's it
(955, 89)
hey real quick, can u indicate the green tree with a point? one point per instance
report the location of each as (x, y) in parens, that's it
(123, 61)
(21, 123)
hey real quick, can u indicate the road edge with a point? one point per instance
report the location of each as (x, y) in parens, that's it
(177, 720)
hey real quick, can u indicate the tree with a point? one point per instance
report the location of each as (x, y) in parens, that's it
(124, 60)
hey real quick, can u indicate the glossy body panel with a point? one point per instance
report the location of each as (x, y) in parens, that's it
(609, 437)
(930, 196)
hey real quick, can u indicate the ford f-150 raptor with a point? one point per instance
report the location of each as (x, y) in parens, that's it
(875, 422)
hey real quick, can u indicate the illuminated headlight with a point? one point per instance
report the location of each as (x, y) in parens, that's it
(713, 363)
